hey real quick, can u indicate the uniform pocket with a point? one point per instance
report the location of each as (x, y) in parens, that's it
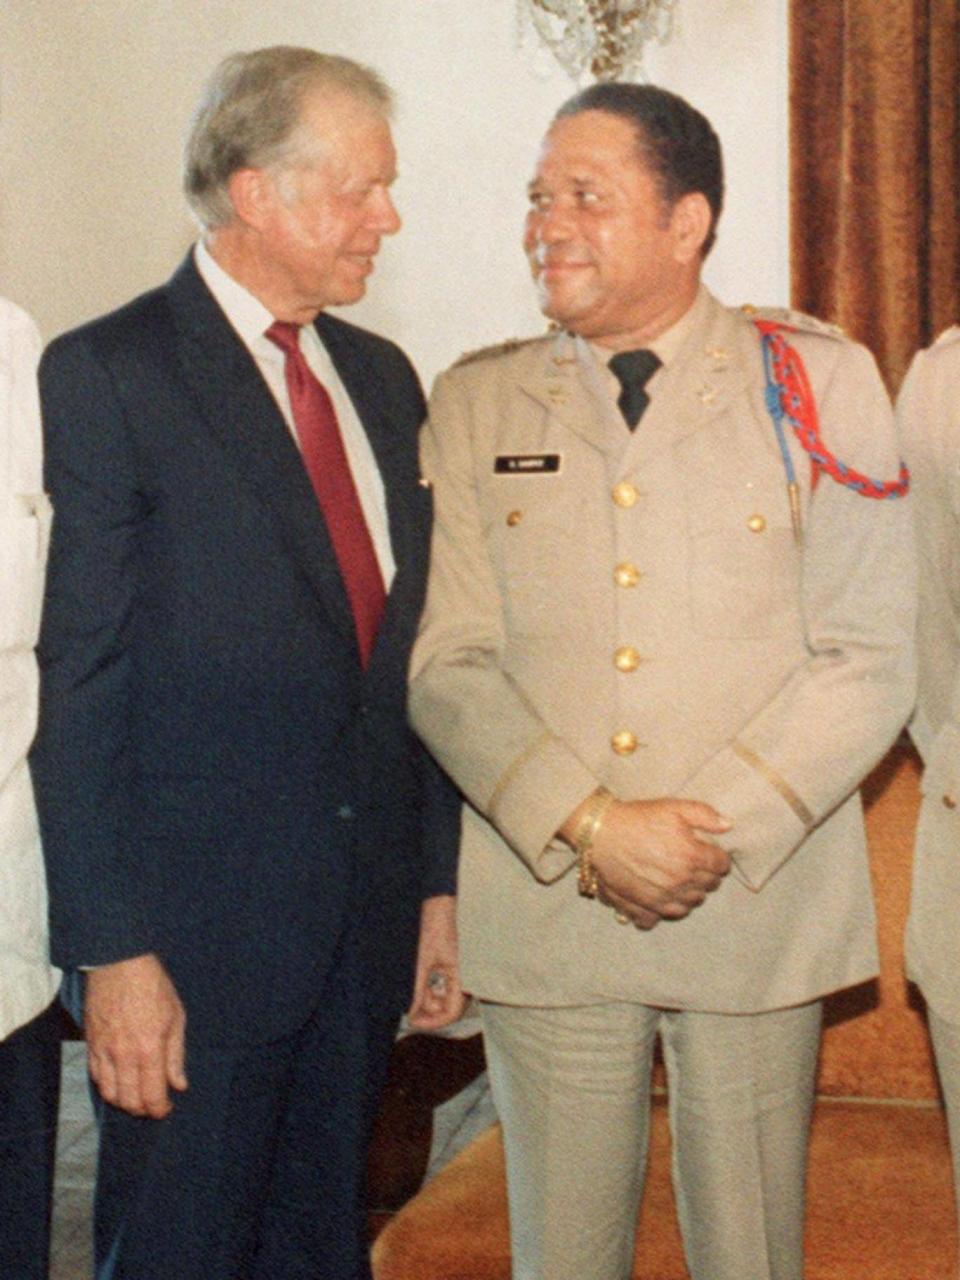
(534, 530)
(24, 540)
(743, 582)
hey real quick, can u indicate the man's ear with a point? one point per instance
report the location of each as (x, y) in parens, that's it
(253, 195)
(690, 221)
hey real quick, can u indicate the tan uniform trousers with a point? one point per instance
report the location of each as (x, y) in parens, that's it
(946, 1047)
(572, 1086)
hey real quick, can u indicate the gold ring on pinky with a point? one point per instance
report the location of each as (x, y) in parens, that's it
(621, 918)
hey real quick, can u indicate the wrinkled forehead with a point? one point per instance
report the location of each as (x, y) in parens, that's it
(336, 120)
(596, 146)
(596, 139)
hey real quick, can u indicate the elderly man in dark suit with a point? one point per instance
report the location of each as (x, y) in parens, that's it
(243, 838)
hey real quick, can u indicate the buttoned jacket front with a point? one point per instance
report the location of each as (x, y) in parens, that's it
(637, 611)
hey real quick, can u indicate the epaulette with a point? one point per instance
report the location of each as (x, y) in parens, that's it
(949, 335)
(795, 319)
(498, 349)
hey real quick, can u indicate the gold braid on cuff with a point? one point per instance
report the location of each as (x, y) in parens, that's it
(593, 815)
(776, 780)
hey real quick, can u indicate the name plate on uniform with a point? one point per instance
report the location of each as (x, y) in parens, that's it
(527, 464)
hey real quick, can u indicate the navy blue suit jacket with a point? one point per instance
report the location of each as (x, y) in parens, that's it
(218, 780)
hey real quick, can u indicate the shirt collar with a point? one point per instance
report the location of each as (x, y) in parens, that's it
(246, 313)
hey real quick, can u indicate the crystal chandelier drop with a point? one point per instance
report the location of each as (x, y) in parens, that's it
(604, 38)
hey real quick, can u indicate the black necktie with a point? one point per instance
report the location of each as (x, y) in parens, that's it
(633, 370)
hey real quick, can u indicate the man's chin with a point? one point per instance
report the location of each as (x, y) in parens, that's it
(347, 294)
(554, 309)
(566, 311)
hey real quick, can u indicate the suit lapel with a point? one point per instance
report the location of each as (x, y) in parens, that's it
(239, 411)
(364, 385)
(394, 449)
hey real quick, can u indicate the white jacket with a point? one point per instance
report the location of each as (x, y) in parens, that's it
(930, 430)
(27, 981)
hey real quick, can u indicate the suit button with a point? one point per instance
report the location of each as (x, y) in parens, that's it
(756, 524)
(625, 494)
(624, 743)
(345, 812)
(514, 518)
(950, 801)
(626, 575)
(626, 658)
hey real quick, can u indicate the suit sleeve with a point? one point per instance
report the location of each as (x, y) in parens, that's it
(812, 744)
(82, 763)
(442, 805)
(927, 416)
(441, 802)
(457, 672)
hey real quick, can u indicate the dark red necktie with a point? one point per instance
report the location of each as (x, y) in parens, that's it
(326, 462)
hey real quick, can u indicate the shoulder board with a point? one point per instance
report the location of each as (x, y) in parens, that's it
(949, 335)
(795, 319)
(498, 349)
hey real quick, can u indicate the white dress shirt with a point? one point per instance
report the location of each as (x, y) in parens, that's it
(251, 319)
(27, 982)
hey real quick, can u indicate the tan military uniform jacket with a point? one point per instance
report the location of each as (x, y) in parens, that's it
(634, 610)
(27, 982)
(928, 412)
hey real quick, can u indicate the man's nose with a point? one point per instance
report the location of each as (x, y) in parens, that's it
(552, 225)
(386, 218)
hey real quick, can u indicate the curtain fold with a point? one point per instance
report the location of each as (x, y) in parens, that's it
(874, 169)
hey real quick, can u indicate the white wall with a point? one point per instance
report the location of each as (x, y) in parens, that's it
(95, 94)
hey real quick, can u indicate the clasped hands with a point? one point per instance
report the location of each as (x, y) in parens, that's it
(651, 858)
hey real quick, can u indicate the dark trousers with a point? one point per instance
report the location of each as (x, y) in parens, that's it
(258, 1173)
(29, 1092)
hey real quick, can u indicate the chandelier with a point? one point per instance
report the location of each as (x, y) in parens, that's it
(603, 37)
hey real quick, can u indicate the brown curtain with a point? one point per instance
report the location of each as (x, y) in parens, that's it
(875, 178)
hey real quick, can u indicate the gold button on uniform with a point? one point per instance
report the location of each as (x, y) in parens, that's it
(950, 801)
(625, 494)
(626, 575)
(626, 658)
(756, 524)
(624, 743)
(514, 518)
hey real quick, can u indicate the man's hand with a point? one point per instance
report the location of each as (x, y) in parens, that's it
(651, 860)
(135, 1025)
(438, 998)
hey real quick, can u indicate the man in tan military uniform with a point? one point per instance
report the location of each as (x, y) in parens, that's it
(928, 412)
(639, 645)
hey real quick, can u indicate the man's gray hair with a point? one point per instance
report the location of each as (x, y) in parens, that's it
(249, 113)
